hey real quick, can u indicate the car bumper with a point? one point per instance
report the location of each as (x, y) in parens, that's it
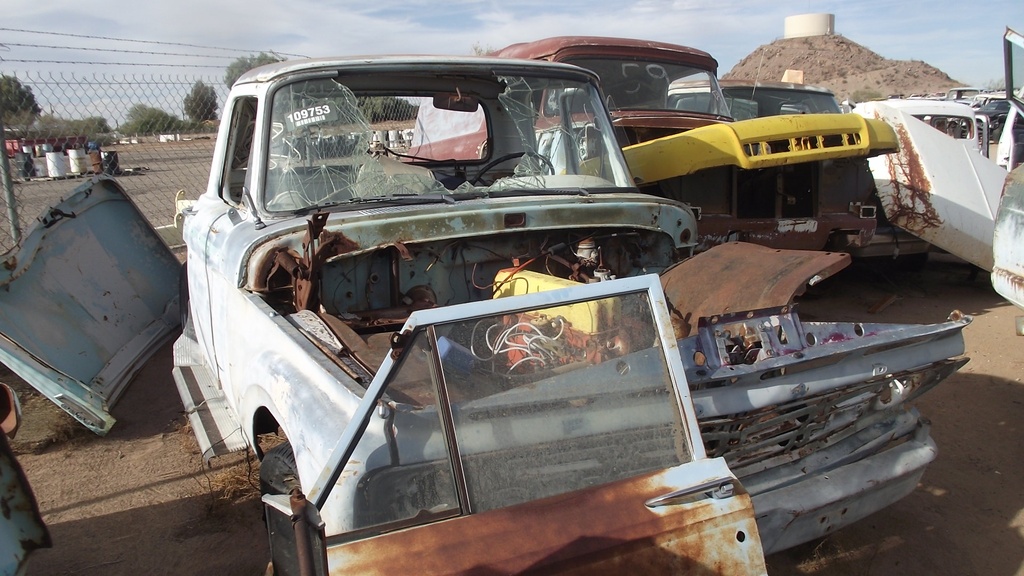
(890, 241)
(812, 497)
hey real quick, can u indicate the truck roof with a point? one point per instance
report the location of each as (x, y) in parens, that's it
(480, 64)
(606, 46)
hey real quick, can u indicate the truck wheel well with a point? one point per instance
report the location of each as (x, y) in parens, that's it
(263, 424)
(278, 472)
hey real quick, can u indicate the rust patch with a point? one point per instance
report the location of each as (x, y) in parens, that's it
(602, 530)
(910, 204)
(738, 276)
(1013, 282)
(283, 267)
(304, 270)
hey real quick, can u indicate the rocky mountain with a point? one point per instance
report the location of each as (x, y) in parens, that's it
(840, 64)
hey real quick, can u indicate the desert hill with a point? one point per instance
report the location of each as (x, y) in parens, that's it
(847, 68)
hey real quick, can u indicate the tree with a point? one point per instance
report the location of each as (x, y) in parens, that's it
(201, 104)
(91, 125)
(245, 63)
(996, 84)
(48, 124)
(481, 49)
(144, 119)
(17, 100)
(384, 108)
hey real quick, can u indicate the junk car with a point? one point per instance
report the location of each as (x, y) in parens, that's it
(500, 357)
(796, 181)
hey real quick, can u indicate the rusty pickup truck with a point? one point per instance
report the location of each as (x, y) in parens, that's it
(493, 358)
(797, 181)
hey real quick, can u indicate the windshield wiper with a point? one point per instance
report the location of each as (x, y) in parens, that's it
(398, 199)
(408, 199)
(514, 192)
(315, 208)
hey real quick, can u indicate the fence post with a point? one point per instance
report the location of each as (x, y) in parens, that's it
(5, 169)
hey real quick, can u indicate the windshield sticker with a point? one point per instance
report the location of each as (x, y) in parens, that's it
(311, 115)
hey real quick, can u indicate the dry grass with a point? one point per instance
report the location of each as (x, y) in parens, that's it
(238, 479)
(187, 437)
(237, 483)
(67, 430)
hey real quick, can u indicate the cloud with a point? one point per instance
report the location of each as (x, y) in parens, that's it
(944, 33)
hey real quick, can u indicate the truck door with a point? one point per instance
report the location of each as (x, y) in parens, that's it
(546, 433)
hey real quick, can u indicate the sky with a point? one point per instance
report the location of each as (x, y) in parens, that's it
(181, 37)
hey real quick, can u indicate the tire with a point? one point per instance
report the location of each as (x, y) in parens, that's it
(278, 472)
(183, 294)
(913, 262)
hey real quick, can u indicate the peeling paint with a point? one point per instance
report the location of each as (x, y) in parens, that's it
(797, 226)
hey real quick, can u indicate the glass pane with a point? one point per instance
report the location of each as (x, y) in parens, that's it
(636, 84)
(333, 145)
(553, 400)
(1016, 67)
(318, 141)
(443, 134)
(751, 102)
(402, 464)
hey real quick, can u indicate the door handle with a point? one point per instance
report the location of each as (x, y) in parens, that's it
(718, 488)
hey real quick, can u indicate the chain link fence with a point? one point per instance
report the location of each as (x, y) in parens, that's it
(154, 134)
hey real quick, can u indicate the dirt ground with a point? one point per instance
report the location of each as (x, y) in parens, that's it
(141, 501)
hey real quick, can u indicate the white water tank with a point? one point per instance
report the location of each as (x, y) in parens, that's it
(803, 25)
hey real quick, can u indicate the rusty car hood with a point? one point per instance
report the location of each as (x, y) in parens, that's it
(89, 295)
(770, 278)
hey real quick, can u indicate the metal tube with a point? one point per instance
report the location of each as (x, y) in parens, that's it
(5, 170)
(303, 544)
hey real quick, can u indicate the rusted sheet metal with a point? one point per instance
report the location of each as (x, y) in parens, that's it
(1008, 241)
(808, 510)
(759, 143)
(610, 531)
(91, 293)
(21, 529)
(359, 232)
(785, 233)
(738, 276)
(936, 187)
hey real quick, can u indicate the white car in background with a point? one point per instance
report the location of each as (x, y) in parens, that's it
(1014, 122)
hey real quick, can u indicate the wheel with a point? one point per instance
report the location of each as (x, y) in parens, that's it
(278, 472)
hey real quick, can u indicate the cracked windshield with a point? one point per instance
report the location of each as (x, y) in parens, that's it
(331, 145)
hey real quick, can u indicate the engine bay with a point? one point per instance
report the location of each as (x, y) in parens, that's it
(369, 294)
